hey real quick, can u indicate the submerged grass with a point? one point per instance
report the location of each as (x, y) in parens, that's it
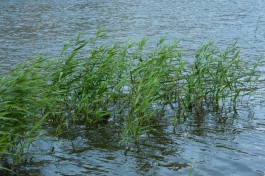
(127, 83)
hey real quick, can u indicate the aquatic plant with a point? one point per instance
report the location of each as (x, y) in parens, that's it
(137, 87)
(19, 109)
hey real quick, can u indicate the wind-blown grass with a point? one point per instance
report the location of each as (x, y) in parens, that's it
(19, 108)
(127, 83)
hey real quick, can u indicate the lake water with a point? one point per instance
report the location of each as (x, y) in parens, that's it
(224, 144)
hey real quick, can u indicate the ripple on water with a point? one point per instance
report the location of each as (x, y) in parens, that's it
(224, 144)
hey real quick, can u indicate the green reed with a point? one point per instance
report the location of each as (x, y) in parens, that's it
(126, 82)
(217, 76)
(19, 111)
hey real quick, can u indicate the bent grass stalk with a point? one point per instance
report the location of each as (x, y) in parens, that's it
(123, 82)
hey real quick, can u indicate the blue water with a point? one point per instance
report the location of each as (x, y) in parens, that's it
(225, 144)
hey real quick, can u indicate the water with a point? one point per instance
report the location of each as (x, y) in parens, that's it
(224, 144)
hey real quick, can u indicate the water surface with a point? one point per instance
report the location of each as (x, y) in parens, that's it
(217, 144)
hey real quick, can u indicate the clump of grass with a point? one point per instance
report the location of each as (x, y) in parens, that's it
(127, 83)
(218, 77)
(19, 106)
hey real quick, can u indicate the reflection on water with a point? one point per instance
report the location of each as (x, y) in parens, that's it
(217, 144)
(210, 145)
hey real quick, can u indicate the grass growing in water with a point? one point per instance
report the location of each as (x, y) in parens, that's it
(19, 106)
(126, 82)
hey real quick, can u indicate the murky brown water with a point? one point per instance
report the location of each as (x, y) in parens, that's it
(224, 144)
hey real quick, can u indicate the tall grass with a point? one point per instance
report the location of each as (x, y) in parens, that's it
(19, 111)
(127, 83)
